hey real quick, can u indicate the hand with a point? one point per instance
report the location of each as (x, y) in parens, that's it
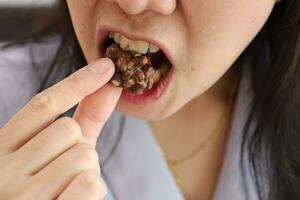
(43, 158)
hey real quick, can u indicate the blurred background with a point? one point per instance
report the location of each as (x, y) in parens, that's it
(21, 16)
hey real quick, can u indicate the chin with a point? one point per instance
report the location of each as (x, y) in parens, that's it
(151, 112)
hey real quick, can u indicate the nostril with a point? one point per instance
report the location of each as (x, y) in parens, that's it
(132, 7)
(165, 7)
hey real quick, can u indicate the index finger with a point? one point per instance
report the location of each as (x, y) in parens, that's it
(43, 108)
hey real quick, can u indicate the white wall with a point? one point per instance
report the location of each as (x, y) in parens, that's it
(26, 3)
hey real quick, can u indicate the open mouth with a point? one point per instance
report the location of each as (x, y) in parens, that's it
(140, 65)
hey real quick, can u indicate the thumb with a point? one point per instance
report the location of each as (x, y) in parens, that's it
(94, 110)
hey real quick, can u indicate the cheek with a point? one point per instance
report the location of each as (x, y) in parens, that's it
(225, 28)
(219, 31)
(82, 16)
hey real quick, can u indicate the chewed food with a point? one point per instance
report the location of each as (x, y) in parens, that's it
(135, 71)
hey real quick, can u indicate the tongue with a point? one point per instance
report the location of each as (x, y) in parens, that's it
(136, 72)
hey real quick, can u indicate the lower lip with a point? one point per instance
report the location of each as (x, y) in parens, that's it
(149, 95)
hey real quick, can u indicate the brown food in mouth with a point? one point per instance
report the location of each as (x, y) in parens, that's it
(133, 71)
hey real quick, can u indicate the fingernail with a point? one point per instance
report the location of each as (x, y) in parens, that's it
(101, 66)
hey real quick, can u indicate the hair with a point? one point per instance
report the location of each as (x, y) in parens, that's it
(272, 147)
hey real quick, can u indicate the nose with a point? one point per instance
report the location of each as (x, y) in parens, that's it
(133, 7)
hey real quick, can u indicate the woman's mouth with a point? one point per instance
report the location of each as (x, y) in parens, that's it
(142, 69)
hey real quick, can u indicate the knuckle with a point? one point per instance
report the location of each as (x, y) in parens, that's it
(70, 127)
(76, 80)
(9, 190)
(86, 153)
(93, 117)
(43, 101)
(5, 148)
(103, 189)
(8, 163)
(90, 180)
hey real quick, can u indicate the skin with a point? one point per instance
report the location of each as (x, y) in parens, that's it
(43, 158)
(207, 36)
(35, 147)
(201, 44)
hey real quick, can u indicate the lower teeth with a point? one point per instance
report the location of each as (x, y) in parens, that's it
(134, 71)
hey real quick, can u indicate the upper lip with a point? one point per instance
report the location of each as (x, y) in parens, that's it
(103, 31)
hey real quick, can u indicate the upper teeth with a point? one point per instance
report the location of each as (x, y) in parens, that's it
(138, 46)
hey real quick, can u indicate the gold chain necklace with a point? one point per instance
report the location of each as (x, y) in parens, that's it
(172, 164)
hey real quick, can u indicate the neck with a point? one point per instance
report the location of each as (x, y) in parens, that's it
(201, 116)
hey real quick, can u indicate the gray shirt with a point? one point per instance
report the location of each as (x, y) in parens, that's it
(131, 160)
